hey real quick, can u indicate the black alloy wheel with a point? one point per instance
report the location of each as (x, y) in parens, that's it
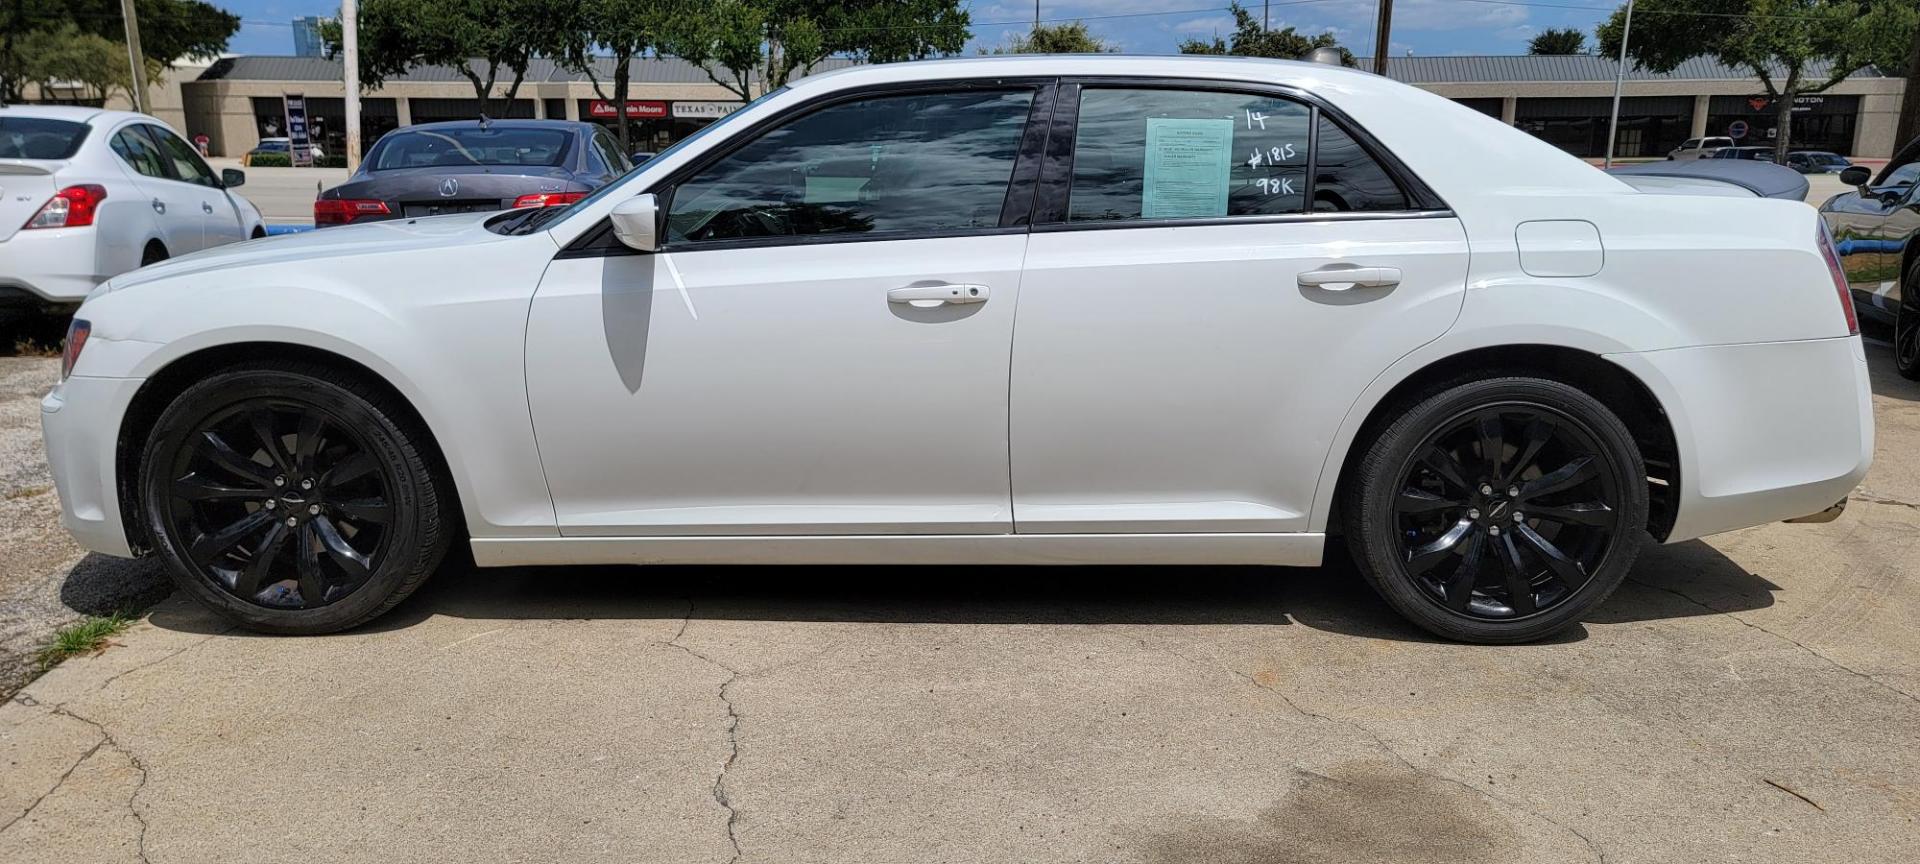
(1499, 511)
(288, 502)
(1906, 327)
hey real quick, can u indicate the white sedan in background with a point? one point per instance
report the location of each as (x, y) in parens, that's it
(87, 194)
(1261, 305)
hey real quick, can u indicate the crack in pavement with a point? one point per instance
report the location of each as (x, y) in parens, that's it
(719, 790)
(1379, 741)
(1869, 678)
(170, 655)
(108, 741)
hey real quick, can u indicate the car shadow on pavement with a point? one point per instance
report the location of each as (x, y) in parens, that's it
(1886, 381)
(1668, 582)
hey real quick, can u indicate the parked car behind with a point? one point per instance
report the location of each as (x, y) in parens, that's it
(1261, 305)
(281, 146)
(90, 194)
(472, 166)
(1699, 148)
(1817, 162)
(1875, 228)
(1754, 154)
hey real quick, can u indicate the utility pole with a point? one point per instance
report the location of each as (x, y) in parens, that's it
(134, 58)
(1619, 77)
(1381, 38)
(1266, 10)
(350, 65)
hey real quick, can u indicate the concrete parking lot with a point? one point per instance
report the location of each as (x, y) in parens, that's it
(1747, 698)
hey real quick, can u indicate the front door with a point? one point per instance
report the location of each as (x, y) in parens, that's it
(821, 347)
(1222, 274)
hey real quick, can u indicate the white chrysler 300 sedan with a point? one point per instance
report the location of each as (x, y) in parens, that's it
(1040, 310)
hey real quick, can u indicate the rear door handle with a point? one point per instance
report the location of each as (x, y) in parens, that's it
(205, 207)
(1340, 277)
(934, 295)
(159, 206)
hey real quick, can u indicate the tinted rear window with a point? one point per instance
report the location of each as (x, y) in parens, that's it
(456, 148)
(40, 138)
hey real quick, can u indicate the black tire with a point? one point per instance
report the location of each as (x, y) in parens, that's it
(1906, 326)
(258, 232)
(153, 254)
(1419, 525)
(356, 521)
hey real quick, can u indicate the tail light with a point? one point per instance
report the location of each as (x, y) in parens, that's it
(77, 333)
(72, 207)
(1839, 275)
(340, 211)
(547, 199)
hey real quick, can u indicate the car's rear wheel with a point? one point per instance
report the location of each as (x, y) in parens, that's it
(1906, 327)
(291, 499)
(153, 254)
(1499, 510)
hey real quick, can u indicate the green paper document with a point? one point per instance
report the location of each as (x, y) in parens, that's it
(1187, 167)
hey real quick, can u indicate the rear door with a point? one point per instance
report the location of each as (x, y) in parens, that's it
(200, 188)
(1215, 273)
(821, 345)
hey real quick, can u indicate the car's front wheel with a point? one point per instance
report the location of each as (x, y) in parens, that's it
(292, 499)
(1499, 510)
(1906, 327)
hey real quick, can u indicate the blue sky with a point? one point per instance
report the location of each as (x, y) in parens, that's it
(1426, 27)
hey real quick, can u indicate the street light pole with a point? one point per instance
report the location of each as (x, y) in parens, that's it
(350, 65)
(1619, 77)
(133, 57)
(1381, 38)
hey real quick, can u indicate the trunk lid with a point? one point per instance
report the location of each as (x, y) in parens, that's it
(25, 186)
(414, 192)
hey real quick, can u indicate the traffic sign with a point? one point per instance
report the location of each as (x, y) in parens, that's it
(1737, 129)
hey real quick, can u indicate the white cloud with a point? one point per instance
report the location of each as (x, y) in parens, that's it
(1220, 24)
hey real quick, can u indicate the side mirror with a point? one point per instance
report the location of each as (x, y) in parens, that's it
(636, 221)
(1856, 176)
(231, 177)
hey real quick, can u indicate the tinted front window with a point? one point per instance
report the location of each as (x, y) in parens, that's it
(892, 164)
(1175, 154)
(1346, 179)
(180, 156)
(39, 138)
(139, 151)
(1903, 175)
(460, 148)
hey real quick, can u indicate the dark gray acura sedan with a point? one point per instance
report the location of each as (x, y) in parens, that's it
(467, 166)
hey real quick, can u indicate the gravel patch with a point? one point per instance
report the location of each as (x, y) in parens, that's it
(46, 580)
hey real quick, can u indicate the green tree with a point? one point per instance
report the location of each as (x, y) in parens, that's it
(1556, 40)
(485, 41)
(624, 29)
(69, 55)
(1073, 38)
(1779, 41)
(1909, 127)
(1249, 39)
(771, 39)
(170, 30)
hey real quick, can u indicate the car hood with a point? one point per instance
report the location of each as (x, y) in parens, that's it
(370, 238)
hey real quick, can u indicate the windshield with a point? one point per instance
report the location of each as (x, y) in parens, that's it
(460, 148)
(40, 138)
(612, 188)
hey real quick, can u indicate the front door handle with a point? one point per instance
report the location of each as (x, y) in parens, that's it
(938, 293)
(205, 207)
(1340, 277)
